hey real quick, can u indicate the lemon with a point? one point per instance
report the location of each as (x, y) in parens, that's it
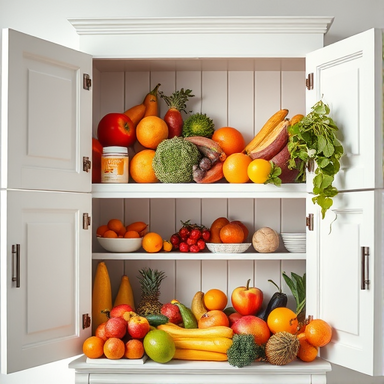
(159, 346)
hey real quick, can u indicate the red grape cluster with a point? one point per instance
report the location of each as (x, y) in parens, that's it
(190, 238)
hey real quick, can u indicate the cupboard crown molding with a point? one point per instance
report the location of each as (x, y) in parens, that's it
(203, 25)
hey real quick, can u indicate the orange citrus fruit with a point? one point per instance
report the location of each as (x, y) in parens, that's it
(131, 235)
(318, 332)
(93, 347)
(232, 233)
(100, 331)
(215, 299)
(152, 242)
(167, 246)
(235, 168)
(216, 227)
(282, 319)
(243, 227)
(110, 234)
(115, 225)
(101, 230)
(114, 348)
(213, 318)
(138, 226)
(121, 232)
(134, 349)
(140, 167)
(307, 352)
(230, 140)
(259, 170)
(151, 131)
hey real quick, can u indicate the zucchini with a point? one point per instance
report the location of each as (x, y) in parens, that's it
(156, 319)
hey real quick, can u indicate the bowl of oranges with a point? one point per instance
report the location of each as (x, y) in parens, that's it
(118, 238)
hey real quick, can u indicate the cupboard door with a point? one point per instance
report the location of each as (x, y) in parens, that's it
(348, 76)
(354, 309)
(46, 115)
(42, 318)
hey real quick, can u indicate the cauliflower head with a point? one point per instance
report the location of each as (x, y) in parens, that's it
(174, 160)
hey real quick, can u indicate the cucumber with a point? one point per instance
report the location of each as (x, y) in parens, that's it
(156, 319)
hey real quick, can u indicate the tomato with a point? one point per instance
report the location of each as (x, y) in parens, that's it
(116, 129)
(259, 170)
(97, 151)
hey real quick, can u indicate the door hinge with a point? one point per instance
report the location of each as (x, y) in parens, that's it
(309, 222)
(86, 220)
(365, 268)
(86, 321)
(87, 164)
(87, 82)
(309, 81)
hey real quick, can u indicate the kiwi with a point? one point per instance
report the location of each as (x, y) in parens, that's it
(282, 348)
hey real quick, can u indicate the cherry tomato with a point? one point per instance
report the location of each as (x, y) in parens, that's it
(116, 129)
(195, 234)
(201, 244)
(184, 247)
(259, 170)
(97, 151)
(206, 234)
(194, 248)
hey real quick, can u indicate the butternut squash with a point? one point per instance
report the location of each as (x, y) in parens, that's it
(136, 113)
(218, 344)
(211, 332)
(125, 293)
(151, 103)
(192, 354)
(101, 296)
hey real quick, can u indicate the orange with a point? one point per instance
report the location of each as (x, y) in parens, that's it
(152, 242)
(215, 299)
(93, 347)
(167, 246)
(235, 168)
(131, 235)
(138, 226)
(101, 230)
(115, 225)
(282, 319)
(134, 349)
(140, 167)
(212, 319)
(307, 352)
(232, 233)
(216, 227)
(230, 140)
(151, 131)
(318, 332)
(110, 234)
(243, 227)
(259, 170)
(121, 232)
(114, 348)
(100, 331)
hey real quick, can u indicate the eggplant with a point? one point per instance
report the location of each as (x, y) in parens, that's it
(278, 299)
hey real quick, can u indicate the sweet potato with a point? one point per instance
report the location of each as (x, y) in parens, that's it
(281, 160)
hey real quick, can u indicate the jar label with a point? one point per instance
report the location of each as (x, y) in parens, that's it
(114, 170)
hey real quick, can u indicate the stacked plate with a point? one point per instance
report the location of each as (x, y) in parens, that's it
(294, 242)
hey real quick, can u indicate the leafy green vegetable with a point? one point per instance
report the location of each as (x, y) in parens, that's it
(314, 139)
(198, 124)
(244, 350)
(297, 285)
(273, 177)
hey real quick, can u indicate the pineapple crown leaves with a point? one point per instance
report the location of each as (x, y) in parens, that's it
(151, 279)
(297, 285)
(178, 99)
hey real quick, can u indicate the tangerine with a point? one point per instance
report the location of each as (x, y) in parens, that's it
(259, 170)
(131, 235)
(215, 299)
(243, 227)
(115, 225)
(318, 332)
(152, 242)
(101, 230)
(93, 347)
(230, 140)
(307, 352)
(213, 318)
(121, 232)
(235, 168)
(138, 226)
(110, 234)
(114, 348)
(216, 227)
(100, 331)
(282, 319)
(134, 349)
(232, 233)
(140, 167)
(151, 131)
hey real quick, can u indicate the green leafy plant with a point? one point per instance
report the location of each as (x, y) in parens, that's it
(297, 285)
(313, 139)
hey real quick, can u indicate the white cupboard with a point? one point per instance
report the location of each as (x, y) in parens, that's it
(238, 85)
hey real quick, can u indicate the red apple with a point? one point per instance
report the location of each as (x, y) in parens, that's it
(233, 317)
(138, 327)
(119, 310)
(246, 300)
(172, 311)
(115, 327)
(252, 325)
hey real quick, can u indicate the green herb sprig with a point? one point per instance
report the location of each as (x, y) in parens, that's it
(314, 139)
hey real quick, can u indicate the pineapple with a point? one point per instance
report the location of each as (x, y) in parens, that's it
(150, 281)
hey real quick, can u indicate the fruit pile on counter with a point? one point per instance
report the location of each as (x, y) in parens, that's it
(208, 329)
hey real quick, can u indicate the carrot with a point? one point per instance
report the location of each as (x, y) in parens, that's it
(136, 113)
(151, 103)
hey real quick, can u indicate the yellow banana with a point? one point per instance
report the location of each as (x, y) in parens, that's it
(197, 306)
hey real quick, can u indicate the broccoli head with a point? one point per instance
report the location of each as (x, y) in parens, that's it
(174, 159)
(198, 124)
(244, 350)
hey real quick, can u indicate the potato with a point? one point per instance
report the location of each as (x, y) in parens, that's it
(265, 240)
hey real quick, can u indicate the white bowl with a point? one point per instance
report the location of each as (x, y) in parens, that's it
(228, 248)
(120, 244)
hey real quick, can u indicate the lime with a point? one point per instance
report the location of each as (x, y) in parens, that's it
(159, 346)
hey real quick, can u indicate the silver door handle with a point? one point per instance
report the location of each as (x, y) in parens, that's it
(16, 268)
